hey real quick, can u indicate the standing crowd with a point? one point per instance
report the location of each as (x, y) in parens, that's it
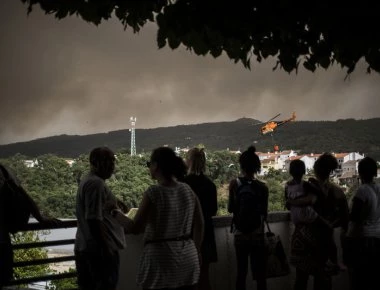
(175, 216)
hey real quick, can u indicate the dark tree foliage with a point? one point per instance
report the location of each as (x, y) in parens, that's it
(314, 33)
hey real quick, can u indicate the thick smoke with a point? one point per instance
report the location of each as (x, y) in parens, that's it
(70, 77)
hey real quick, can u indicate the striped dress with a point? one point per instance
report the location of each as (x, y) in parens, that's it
(169, 264)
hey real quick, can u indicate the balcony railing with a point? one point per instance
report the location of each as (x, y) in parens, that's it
(43, 244)
(222, 273)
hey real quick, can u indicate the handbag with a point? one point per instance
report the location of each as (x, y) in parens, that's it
(277, 264)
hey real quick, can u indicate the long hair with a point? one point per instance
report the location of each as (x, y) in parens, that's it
(249, 161)
(197, 158)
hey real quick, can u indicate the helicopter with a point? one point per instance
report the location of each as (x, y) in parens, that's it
(270, 125)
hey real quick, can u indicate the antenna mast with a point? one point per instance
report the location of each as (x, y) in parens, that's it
(133, 135)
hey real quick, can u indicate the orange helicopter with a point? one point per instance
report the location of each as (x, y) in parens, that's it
(271, 125)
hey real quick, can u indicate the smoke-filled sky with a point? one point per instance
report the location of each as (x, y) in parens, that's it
(71, 77)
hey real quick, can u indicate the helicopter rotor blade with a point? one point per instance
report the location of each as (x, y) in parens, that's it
(273, 118)
(256, 124)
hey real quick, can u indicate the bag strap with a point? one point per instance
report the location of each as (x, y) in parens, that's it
(268, 228)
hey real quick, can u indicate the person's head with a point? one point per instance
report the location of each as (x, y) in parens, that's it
(325, 164)
(249, 162)
(196, 161)
(297, 169)
(102, 161)
(164, 163)
(367, 169)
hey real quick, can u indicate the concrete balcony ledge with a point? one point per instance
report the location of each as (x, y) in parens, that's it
(223, 272)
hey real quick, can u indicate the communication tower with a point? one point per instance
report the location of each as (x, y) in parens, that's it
(133, 135)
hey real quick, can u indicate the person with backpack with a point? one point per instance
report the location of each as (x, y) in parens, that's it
(16, 207)
(248, 202)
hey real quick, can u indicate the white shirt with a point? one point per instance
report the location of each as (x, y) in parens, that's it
(369, 225)
(92, 195)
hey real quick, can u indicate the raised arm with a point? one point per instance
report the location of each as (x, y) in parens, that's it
(309, 199)
(136, 225)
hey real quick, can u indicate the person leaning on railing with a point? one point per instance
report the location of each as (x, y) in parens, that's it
(99, 237)
(6, 252)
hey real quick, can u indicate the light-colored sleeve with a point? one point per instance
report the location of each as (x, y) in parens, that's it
(94, 192)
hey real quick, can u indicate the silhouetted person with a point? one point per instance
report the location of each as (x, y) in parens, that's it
(309, 252)
(301, 196)
(171, 216)
(206, 191)
(99, 236)
(363, 236)
(6, 252)
(249, 210)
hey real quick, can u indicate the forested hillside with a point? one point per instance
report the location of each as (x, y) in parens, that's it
(53, 183)
(305, 136)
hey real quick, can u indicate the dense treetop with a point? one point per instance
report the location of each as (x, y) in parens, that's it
(314, 34)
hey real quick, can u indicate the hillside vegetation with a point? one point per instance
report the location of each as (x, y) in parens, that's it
(305, 136)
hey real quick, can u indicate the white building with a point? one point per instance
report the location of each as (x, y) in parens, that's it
(308, 159)
(346, 157)
(284, 155)
(350, 166)
(70, 162)
(30, 163)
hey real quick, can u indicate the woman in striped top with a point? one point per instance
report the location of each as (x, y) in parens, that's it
(171, 216)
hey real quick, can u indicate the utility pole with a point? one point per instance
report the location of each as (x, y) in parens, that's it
(133, 135)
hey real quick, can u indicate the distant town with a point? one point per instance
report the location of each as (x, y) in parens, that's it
(345, 175)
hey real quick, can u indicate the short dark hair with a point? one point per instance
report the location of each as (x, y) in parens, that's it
(100, 156)
(169, 163)
(367, 168)
(325, 164)
(249, 161)
(297, 168)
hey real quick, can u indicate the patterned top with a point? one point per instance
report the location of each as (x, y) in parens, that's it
(299, 214)
(169, 264)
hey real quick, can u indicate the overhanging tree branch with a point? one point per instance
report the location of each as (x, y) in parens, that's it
(315, 34)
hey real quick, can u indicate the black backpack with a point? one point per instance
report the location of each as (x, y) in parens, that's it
(16, 203)
(249, 206)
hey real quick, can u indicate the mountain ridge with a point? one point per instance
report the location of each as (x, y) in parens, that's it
(305, 136)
